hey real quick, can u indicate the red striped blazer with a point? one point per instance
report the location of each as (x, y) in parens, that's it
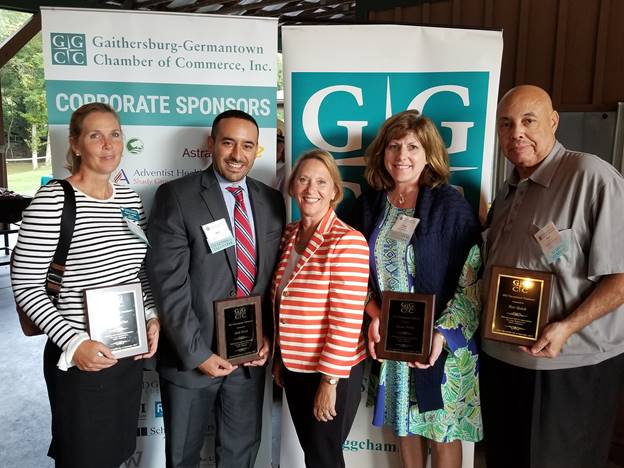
(319, 321)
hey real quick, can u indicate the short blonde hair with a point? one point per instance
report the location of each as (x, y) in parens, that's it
(75, 130)
(436, 171)
(328, 160)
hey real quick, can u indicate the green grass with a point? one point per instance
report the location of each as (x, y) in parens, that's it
(22, 179)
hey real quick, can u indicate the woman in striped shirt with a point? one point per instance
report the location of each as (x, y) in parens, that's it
(319, 289)
(94, 397)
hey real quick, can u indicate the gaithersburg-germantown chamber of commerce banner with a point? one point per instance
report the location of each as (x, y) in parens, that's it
(341, 83)
(167, 75)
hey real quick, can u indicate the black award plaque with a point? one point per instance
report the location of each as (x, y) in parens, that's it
(406, 326)
(517, 305)
(238, 328)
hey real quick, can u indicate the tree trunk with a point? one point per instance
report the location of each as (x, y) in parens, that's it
(33, 147)
(48, 159)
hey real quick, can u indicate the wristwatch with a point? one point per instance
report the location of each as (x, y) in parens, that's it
(330, 380)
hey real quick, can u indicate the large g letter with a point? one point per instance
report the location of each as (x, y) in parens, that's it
(459, 130)
(311, 120)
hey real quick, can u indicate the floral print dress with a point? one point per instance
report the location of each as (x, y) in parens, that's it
(395, 402)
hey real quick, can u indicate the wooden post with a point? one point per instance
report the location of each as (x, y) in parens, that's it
(8, 49)
(3, 168)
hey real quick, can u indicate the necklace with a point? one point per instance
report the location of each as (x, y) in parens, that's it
(402, 197)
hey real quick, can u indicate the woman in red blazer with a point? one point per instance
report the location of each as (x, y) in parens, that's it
(319, 290)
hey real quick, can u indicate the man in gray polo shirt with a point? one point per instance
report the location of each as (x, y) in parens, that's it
(553, 404)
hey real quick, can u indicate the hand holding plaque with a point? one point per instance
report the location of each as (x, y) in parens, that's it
(517, 305)
(406, 326)
(115, 317)
(238, 324)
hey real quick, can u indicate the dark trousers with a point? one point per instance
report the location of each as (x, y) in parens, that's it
(322, 441)
(233, 402)
(549, 419)
(94, 414)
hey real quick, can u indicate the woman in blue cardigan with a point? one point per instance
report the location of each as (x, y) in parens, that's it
(435, 404)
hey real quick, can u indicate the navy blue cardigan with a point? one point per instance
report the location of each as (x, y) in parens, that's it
(448, 228)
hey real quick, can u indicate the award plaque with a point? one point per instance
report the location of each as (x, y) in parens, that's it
(405, 326)
(517, 305)
(115, 317)
(238, 325)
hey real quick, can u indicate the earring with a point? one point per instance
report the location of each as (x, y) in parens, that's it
(77, 155)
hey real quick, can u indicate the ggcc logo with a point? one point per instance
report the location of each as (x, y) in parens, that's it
(68, 49)
(341, 113)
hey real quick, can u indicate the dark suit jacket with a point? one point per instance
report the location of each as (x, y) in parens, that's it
(186, 277)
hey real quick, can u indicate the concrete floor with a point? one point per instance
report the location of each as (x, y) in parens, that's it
(24, 403)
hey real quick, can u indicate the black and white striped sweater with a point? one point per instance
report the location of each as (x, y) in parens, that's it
(103, 252)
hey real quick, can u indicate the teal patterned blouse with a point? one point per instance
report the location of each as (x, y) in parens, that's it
(395, 402)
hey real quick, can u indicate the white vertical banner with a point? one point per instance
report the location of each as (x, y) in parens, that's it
(168, 75)
(342, 82)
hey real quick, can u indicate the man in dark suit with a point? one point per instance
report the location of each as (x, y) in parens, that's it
(188, 271)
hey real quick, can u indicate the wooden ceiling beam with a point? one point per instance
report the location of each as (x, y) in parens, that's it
(193, 7)
(253, 6)
(331, 8)
(257, 9)
(152, 3)
(13, 44)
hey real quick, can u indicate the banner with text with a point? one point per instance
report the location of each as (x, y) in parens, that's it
(342, 82)
(168, 76)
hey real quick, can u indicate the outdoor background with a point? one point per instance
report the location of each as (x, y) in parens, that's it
(24, 108)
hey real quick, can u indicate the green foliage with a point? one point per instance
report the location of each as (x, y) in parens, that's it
(280, 72)
(22, 82)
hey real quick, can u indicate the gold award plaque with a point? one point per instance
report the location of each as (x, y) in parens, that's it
(517, 305)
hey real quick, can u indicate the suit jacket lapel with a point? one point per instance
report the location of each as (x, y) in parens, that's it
(213, 197)
(258, 208)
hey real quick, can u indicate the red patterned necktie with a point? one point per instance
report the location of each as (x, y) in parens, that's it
(245, 251)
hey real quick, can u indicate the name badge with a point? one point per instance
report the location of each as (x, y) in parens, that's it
(403, 228)
(551, 243)
(129, 213)
(218, 235)
(137, 231)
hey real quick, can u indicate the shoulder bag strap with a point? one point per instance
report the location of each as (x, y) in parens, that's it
(68, 220)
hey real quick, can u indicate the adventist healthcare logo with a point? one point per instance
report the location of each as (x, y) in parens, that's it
(121, 177)
(68, 49)
(134, 145)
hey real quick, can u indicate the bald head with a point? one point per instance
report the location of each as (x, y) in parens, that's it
(526, 124)
(528, 94)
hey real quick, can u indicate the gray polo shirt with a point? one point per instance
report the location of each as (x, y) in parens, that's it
(584, 197)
